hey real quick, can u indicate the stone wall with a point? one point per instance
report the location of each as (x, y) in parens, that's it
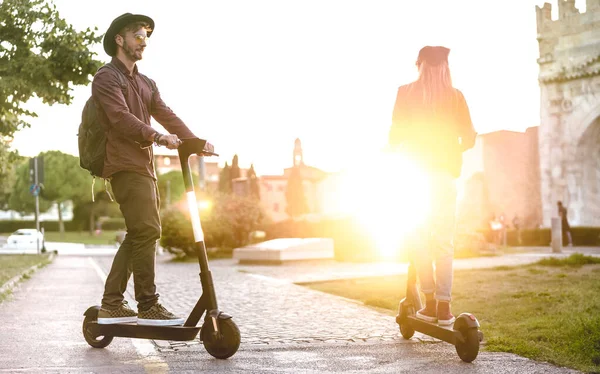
(570, 106)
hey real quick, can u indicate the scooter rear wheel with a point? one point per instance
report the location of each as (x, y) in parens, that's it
(223, 344)
(468, 350)
(90, 338)
(406, 330)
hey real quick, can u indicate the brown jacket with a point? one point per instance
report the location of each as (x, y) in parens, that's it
(126, 114)
(434, 135)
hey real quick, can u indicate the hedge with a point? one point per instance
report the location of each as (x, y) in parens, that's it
(353, 243)
(9, 226)
(582, 236)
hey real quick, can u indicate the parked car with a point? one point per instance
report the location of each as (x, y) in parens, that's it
(25, 238)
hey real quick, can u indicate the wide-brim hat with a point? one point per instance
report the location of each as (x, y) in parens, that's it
(110, 46)
(433, 55)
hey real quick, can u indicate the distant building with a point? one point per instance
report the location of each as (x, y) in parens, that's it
(273, 187)
(502, 176)
(168, 160)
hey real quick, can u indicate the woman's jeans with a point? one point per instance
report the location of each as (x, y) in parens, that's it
(432, 242)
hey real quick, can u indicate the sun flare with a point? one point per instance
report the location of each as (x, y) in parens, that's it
(388, 195)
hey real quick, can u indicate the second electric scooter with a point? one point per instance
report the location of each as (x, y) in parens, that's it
(219, 334)
(464, 334)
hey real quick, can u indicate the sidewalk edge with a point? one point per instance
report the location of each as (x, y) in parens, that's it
(12, 282)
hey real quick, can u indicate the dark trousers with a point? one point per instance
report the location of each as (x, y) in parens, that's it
(139, 202)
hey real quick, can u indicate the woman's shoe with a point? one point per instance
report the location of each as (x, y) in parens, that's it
(444, 316)
(429, 313)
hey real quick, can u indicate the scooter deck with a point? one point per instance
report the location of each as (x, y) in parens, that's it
(445, 333)
(175, 333)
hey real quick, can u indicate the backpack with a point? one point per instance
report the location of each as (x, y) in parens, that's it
(92, 132)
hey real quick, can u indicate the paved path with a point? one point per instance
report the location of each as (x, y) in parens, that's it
(328, 270)
(286, 328)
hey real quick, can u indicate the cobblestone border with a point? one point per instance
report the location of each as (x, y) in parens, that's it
(174, 346)
(12, 282)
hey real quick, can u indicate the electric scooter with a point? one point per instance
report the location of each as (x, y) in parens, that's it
(219, 334)
(464, 334)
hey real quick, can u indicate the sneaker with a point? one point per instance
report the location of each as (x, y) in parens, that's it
(444, 316)
(122, 314)
(157, 315)
(429, 313)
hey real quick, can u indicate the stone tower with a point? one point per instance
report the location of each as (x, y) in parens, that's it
(298, 157)
(569, 133)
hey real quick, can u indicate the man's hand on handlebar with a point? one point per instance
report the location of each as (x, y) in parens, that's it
(170, 141)
(209, 148)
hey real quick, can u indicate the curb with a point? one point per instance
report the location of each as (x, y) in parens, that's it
(12, 282)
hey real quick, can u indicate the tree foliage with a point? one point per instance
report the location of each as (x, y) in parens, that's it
(21, 200)
(254, 187)
(9, 161)
(235, 171)
(64, 179)
(225, 185)
(171, 188)
(42, 56)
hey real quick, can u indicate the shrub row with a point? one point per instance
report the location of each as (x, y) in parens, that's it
(9, 226)
(353, 243)
(582, 236)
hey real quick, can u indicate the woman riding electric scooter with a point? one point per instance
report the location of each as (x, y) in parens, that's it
(431, 123)
(431, 126)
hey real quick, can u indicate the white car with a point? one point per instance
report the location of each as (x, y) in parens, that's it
(25, 238)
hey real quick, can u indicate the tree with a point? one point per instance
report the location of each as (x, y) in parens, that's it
(253, 186)
(235, 168)
(171, 187)
(294, 195)
(21, 199)
(64, 180)
(9, 161)
(41, 55)
(225, 180)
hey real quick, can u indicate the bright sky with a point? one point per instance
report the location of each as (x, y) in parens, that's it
(251, 76)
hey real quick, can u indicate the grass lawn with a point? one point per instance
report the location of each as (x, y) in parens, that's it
(106, 237)
(13, 265)
(548, 311)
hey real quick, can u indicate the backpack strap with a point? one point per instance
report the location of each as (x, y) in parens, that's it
(120, 74)
(152, 86)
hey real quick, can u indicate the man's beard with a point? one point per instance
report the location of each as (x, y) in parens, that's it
(129, 52)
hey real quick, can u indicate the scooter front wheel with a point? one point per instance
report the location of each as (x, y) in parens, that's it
(91, 338)
(469, 349)
(222, 344)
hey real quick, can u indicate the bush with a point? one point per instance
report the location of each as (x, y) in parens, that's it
(228, 224)
(582, 236)
(177, 234)
(352, 242)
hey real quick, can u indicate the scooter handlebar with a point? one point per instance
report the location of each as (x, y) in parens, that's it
(195, 146)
